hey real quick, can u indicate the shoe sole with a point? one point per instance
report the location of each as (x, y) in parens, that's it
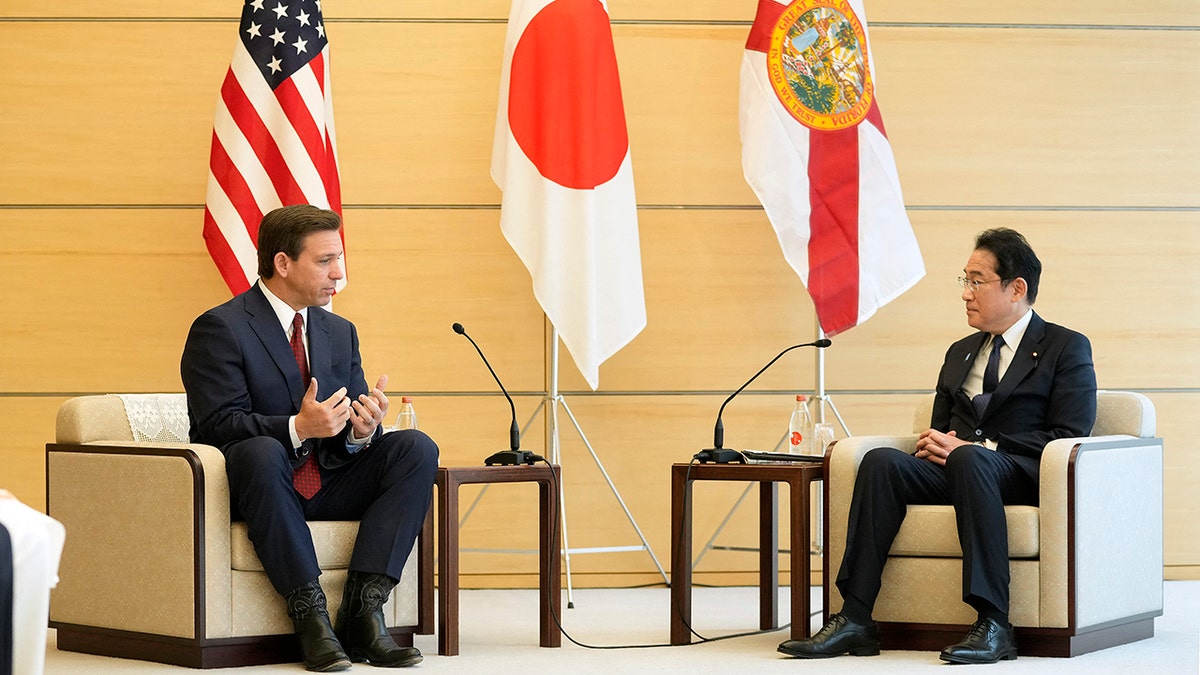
(1007, 656)
(359, 657)
(858, 651)
(331, 667)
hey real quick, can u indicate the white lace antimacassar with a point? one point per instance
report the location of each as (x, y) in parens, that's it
(160, 418)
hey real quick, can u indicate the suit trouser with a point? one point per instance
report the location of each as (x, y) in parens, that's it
(387, 486)
(978, 482)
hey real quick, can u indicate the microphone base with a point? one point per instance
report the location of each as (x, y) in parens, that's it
(719, 456)
(513, 458)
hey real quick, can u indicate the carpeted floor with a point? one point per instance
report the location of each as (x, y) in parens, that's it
(499, 634)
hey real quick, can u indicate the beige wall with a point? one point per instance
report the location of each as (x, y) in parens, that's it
(1073, 122)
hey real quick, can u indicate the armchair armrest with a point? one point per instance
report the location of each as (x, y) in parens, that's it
(1091, 488)
(148, 527)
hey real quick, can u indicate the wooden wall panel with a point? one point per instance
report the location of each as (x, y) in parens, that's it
(118, 289)
(1039, 117)
(416, 128)
(100, 301)
(27, 423)
(1067, 121)
(133, 127)
(1101, 12)
(415, 272)
(1181, 479)
(721, 302)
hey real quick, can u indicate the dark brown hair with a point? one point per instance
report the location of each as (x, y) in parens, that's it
(284, 229)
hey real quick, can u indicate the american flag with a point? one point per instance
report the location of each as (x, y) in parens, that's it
(273, 139)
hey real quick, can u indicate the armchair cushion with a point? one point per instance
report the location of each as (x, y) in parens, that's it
(930, 531)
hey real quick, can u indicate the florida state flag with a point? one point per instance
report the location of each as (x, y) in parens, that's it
(816, 154)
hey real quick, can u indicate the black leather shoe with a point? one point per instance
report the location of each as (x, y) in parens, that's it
(361, 627)
(986, 642)
(838, 636)
(322, 651)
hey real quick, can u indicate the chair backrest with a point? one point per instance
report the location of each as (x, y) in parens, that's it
(123, 417)
(1117, 412)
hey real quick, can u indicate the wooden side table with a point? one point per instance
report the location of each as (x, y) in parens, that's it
(799, 476)
(449, 478)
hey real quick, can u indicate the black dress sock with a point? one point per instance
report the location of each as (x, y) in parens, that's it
(989, 611)
(856, 610)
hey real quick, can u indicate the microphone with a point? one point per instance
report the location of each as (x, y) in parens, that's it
(514, 455)
(720, 455)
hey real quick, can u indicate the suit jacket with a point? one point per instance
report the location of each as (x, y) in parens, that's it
(1048, 391)
(242, 380)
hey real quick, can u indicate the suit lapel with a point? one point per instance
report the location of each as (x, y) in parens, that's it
(266, 326)
(318, 347)
(958, 365)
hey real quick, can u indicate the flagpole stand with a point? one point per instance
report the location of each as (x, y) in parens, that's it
(823, 399)
(553, 400)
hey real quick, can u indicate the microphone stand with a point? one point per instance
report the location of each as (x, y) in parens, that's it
(514, 455)
(822, 398)
(720, 455)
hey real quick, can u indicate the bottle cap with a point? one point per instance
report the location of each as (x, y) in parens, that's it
(406, 399)
(801, 397)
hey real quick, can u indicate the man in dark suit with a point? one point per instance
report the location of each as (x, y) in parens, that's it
(277, 384)
(1002, 394)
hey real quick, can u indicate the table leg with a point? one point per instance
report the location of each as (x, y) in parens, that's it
(801, 561)
(448, 566)
(768, 555)
(550, 566)
(425, 602)
(681, 557)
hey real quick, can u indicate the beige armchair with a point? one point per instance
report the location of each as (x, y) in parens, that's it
(1086, 563)
(153, 569)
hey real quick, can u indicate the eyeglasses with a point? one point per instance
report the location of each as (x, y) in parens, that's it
(973, 284)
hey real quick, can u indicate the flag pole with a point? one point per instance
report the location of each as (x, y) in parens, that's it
(553, 400)
(822, 396)
(823, 399)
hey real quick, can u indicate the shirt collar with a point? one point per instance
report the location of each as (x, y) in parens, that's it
(283, 311)
(1016, 332)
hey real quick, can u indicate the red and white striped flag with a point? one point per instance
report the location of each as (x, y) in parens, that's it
(273, 139)
(561, 156)
(815, 152)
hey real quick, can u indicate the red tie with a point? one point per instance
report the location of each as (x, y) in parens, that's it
(306, 478)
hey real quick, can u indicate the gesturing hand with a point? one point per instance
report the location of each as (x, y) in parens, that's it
(322, 419)
(368, 411)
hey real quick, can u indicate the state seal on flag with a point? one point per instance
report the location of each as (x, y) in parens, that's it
(817, 64)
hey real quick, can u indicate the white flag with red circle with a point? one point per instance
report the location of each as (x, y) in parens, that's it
(561, 157)
(816, 154)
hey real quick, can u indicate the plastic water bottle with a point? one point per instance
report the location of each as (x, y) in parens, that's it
(407, 419)
(800, 428)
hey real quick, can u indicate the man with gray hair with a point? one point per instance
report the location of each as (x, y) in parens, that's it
(1004, 392)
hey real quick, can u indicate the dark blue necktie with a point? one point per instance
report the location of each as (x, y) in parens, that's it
(991, 377)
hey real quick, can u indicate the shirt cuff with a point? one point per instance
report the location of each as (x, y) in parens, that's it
(292, 432)
(354, 444)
